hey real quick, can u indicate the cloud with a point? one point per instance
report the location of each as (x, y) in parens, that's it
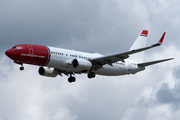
(29, 96)
(66, 24)
(161, 100)
(176, 72)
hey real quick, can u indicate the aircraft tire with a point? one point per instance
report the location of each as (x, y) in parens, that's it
(21, 68)
(91, 75)
(71, 79)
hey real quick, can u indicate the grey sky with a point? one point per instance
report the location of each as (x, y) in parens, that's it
(101, 26)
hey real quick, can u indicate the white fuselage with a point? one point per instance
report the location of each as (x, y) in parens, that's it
(62, 58)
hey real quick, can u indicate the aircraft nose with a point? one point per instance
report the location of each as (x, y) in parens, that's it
(7, 53)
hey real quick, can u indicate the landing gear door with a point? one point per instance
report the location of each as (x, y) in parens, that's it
(31, 51)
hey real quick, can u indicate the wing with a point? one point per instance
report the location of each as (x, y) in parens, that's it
(100, 61)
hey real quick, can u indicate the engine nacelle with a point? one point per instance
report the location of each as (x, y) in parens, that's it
(49, 72)
(81, 64)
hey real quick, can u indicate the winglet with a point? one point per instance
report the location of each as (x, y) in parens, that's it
(162, 38)
(160, 41)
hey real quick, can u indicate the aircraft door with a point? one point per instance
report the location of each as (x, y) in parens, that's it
(31, 51)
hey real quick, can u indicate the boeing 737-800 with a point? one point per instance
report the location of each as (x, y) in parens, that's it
(57, 61)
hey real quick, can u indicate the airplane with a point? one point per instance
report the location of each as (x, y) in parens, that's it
(57, 61)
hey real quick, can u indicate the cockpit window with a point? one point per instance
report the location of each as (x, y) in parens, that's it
(17, 48)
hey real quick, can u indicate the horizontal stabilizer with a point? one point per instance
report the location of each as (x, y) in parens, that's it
(153, 62)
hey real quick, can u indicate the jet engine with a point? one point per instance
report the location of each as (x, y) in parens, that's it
(81, 64)
(49, 72)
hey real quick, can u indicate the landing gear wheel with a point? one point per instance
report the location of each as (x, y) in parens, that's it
(21, 68)
(71, 79)
(91, 75)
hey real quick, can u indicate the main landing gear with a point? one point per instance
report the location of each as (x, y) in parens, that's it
(71, 79)
(91, 75)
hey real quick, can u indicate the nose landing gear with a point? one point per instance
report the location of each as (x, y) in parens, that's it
(21, 68)
(20, 63)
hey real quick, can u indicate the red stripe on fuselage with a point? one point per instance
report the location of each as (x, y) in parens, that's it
(30, 54)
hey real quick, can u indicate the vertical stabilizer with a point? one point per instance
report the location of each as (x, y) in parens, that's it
(140, 42)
